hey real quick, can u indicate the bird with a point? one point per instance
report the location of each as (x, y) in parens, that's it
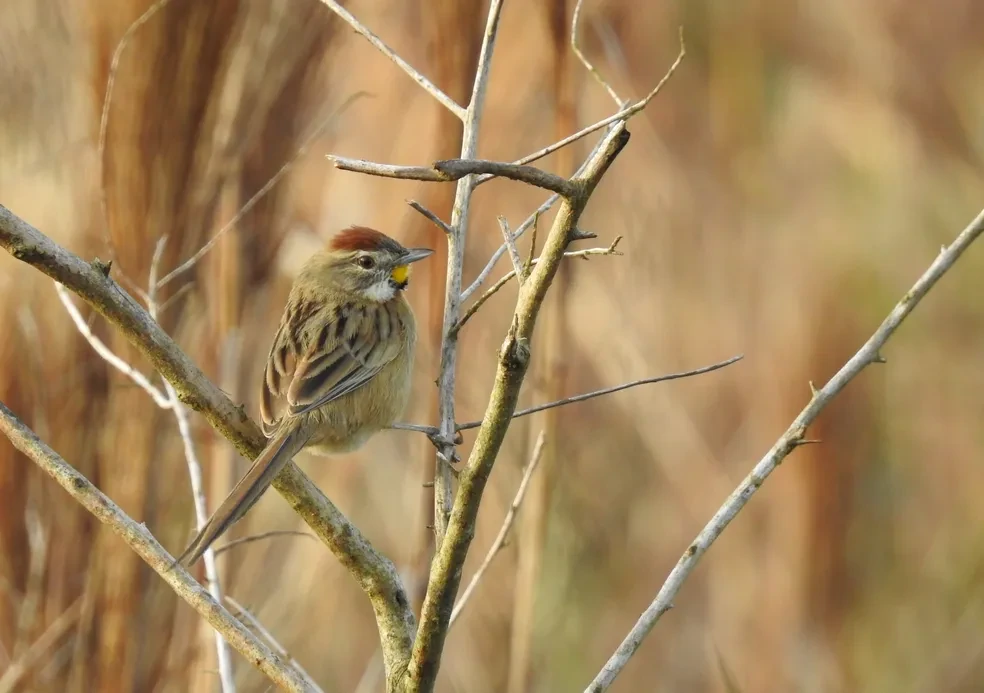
(339, 369)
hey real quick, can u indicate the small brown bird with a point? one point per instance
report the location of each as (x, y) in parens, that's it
(340, 365)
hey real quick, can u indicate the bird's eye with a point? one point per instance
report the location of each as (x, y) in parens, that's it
(366, 262)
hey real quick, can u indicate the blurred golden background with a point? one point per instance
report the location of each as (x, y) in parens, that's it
(797, 174)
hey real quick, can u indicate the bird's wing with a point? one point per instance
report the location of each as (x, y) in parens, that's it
(315, 361)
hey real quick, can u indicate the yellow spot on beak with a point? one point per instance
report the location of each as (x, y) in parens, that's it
(401, 274)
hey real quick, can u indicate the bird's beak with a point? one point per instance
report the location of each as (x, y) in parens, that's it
(414, 254)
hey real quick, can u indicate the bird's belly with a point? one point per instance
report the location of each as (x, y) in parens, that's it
(346, 424)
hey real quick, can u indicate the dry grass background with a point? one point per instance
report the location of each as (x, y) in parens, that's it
(796, 175)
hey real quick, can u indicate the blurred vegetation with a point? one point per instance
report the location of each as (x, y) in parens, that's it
(796, 175)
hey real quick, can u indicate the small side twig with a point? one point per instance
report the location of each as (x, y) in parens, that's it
(584, 254)
(575, 23)
(139, 379)
(440, 223)
(517, 262)
(610, 390)
(869, 353)
(264, 535)
(507, 523)
(417, 77)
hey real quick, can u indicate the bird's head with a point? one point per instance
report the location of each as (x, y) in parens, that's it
(367, 263)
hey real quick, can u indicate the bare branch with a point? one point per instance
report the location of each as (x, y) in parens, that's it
(517, 261)
(440, 223)
(501, 250)
(452, 292)
(138, 378)
(262, 192)
(584, 59)
(789, 441)
(610, 390)
(456, 169)
(371, 168)
(500, 539)
(473, 308)
(226, 675)
(417, 77)
(622, 115)
(261, 630)
(147, 547)
(263, 535)
(374, 572)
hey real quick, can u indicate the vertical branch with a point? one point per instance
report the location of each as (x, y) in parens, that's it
(453, 42)
(452, 297)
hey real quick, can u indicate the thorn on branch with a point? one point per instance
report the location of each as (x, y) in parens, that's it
(806, 441)
(104, 268)
(813, 390)
(879, 358)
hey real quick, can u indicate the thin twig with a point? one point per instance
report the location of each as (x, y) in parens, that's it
(147, 547)
(226, 675)
(428, 86)
(473, 308)
(257, 626)
(517, 261)
(621, 115)
(584, 59)
(227, 679)
(869, 353)
(160, 399)
(261, 193)
(507, 523)
(264, 535)
(440, 223)
(610, 390)
(501, 250)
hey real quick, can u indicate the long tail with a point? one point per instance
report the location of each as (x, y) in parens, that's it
(278, 452)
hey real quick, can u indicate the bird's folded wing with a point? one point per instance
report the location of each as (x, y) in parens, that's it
(338, 357)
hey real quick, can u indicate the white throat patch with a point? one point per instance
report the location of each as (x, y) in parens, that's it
(380, 292)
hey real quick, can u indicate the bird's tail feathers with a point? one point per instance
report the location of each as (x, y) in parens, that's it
(280, 450)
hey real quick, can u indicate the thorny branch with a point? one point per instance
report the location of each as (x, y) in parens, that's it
(794, 436)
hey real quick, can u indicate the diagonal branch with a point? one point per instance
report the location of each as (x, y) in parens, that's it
(417, 77)
(794, 436)
(375, 573)
(146, 546)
